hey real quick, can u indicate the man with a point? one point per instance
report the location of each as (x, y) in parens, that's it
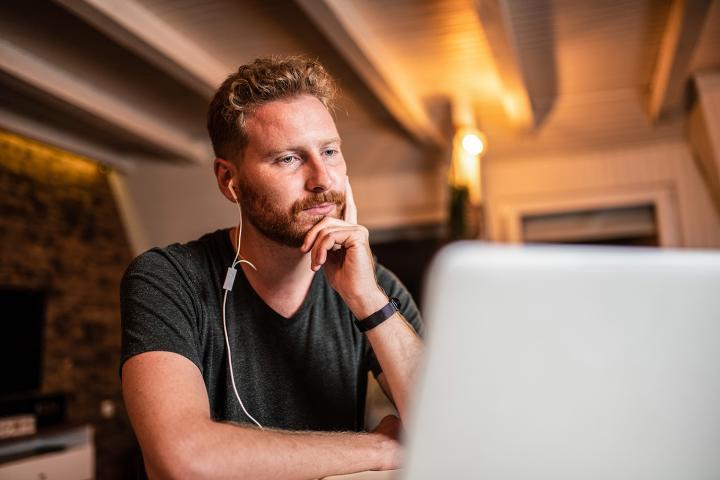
(299, 361)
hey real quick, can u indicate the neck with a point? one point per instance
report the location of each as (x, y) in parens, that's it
(283, 274)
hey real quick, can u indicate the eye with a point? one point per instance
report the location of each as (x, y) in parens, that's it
(288, 160)
(330, 152)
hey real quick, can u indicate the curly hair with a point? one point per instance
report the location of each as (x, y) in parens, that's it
(257, 83)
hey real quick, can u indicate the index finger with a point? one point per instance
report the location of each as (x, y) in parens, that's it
(350, 207)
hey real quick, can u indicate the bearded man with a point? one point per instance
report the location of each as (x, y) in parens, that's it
(265, 376)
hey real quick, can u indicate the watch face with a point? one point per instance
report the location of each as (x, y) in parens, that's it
(395, 303)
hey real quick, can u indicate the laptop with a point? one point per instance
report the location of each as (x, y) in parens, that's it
(568, 363)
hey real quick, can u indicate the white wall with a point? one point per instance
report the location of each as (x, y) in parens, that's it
(162, 204)
(667, 166)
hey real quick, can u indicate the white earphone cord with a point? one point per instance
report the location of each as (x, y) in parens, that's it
(229, 280)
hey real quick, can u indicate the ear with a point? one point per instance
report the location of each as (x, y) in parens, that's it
(225, 172)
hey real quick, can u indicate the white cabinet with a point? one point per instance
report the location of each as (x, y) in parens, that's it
(70, 456)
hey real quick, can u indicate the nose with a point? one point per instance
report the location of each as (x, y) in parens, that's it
(320, 178)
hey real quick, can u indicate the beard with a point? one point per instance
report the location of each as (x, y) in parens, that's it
(284, 226)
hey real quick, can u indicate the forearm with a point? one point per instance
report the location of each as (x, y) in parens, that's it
(397, 346)
(223, 450)
(398, 349)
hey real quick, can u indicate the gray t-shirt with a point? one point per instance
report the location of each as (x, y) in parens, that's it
(307, 372)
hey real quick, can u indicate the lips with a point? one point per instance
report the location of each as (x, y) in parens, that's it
(322, 209)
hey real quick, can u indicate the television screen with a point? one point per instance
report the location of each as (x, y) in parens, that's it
(22, 325)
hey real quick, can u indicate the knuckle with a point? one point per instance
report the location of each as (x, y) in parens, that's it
(321, 224)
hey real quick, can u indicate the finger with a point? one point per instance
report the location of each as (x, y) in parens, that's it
(312, 234)
(328, 239)
(320, 250)
(350, 207)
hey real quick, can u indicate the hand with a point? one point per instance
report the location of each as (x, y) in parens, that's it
(388, 432)
(343, 247)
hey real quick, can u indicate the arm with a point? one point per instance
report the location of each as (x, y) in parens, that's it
(398, 349)
(352, 274)
(168, 407)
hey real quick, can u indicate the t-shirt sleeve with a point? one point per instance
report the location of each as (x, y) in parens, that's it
(394, 288)
(158, 312)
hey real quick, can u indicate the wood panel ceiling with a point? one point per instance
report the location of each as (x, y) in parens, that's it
(438, 47)
(706, 54)
(581, 70)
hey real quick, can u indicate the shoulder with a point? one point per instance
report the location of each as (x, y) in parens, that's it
(185, 261)
(387, 279)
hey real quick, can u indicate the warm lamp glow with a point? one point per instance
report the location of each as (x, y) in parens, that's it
(473, 144)
(469, 145)
(59, 164)
(511, 106)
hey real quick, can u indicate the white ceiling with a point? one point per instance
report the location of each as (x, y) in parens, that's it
(128, 82)
(573, 58)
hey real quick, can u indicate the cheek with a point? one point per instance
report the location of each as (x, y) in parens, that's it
(268, 187)
(340, 168)
(257, 189)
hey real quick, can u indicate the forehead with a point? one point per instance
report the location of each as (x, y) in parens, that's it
(301, 121)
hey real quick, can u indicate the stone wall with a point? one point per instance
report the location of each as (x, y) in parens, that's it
(60, 231)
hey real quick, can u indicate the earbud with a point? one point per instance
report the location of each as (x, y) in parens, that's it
(232, 190)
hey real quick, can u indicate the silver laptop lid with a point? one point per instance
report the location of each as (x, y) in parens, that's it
(569, 363)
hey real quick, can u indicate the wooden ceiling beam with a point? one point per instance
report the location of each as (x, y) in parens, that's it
(138, 29)
(97, 104)
(671, 74)
(348, 32)
(44, 133)
(502, 38)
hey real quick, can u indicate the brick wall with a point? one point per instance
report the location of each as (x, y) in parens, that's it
(60, 231)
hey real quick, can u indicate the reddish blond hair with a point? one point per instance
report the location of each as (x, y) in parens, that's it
(257, 83)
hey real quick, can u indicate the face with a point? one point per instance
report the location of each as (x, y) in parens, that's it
(292, 173)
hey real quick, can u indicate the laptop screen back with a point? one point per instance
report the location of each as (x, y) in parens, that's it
(567, 363)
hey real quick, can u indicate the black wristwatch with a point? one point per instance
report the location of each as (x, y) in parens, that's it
(378, 317)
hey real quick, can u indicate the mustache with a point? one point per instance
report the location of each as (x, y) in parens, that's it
(330, 196)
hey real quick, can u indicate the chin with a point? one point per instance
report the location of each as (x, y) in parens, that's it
(311, 221)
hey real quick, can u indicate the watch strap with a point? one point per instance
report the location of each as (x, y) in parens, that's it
(379, 317)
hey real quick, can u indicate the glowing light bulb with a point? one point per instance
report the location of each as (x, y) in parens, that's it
(473, 144)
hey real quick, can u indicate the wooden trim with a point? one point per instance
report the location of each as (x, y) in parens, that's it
(98, 104)
(26, 127)
(671, 74)
(502, 38)
(135, 27)
(346, 29)
(661, 196)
